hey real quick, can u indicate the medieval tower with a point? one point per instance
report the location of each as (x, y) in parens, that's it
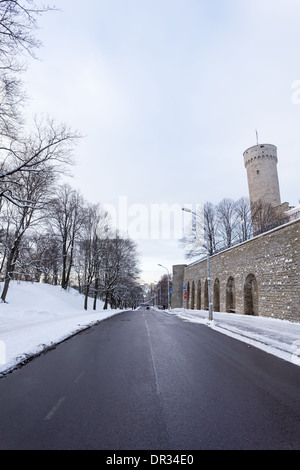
(261, 164)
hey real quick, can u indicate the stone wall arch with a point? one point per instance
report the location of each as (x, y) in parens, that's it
(193, 296)
(251, 296)
(188, 291)
(199, 296)
(216, 297)
(206, 298)
(230, 296)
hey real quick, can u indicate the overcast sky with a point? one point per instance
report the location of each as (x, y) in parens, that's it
(168, 94)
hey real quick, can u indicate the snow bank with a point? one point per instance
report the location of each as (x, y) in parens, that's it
(278, 337)
(38, 316)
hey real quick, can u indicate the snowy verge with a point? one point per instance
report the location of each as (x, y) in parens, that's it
(278, 337)
(39, 316)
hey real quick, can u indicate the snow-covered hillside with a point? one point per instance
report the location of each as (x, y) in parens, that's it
(38, 316)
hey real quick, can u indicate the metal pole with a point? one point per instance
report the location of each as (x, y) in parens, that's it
(209, 288)
(168, 291)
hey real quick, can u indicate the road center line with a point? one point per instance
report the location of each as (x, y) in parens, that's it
(152, 357)
(54, 409)
(79, 377)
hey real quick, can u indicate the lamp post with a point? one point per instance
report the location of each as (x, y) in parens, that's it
(211, 315)
(168, 285)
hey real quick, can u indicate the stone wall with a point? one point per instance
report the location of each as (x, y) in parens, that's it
(258, 277)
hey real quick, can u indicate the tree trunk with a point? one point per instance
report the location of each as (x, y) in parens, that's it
(96, 294)
(79, 284)
(64, 268)
(68, 274)
(106, 301)
(9, 269)
(86, 297)
(5, 289)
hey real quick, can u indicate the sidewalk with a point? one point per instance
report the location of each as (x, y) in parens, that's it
(278, 337)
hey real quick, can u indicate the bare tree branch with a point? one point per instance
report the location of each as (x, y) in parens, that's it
(50, 144)
(18, 26)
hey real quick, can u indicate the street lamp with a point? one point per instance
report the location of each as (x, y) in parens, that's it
(208, 270)
(168, 285)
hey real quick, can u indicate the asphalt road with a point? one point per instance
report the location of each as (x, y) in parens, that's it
(148, 380)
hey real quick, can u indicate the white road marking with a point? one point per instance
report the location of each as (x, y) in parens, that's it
(152, 357)
(54, 409)
(79, 377)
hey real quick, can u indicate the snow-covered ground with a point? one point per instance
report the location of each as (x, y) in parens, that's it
(39, 316)
(278, 337)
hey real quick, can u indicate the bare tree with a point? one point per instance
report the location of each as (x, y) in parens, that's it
(90, 249)
(162, 290)
(18, 26)
(129, 294)
(12, 98)
(226, 222)
(211, 225)
(41, 259)
(33, 187)
(118, 265)
(201, 235)
(244, 223)
(134, 295)
(49, 143)
(6, 220)
(28, 174)
(66, 212)
(263, 216)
